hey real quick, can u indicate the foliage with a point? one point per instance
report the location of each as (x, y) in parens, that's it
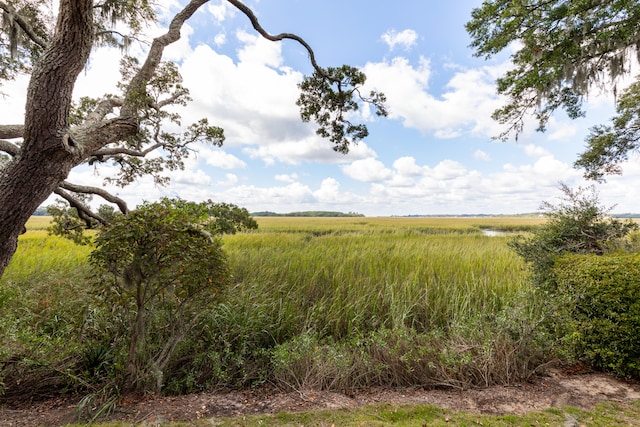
(565, 50)
(163, 265)
(27, 25)
(578, 224)
(603, 303)
(384, 293)
(608, 146)
(71, 222)
(330, 107)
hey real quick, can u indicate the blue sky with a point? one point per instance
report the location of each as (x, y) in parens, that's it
(433, 155)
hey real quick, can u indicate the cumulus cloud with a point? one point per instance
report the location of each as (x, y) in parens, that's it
(220, 159)
(465, 107)
(405, 38)
(253, 99)
(230, 179)
(220, 39)
(407, 166)
(533, 150)
(367, 170)
(286, 177)
(221, 10)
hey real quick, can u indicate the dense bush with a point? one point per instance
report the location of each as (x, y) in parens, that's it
(161, 266)
(577, 225)
(602, 296)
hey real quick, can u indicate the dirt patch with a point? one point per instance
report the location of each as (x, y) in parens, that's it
(557, 388)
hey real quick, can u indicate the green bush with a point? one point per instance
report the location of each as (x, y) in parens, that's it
(577, 225)
(161, 267)
(602, 295)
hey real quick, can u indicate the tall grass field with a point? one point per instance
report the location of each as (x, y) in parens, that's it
(332, 303)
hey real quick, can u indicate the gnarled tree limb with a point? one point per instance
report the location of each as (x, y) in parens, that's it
(11, 131)
(85, 189)
(279, 37)
(9, 148)
(84, 212)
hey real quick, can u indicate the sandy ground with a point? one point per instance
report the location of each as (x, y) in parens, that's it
(554, 389)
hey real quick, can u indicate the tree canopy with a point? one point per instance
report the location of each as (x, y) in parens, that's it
(565, 50)
(124, 128)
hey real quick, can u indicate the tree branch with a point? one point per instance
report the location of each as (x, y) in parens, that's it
(103, 108)
(84, 212)
(9, 148)
(24, 25)
(256, 26)
(122, 150)
(11, 131)
(85, 189)
(138, 83)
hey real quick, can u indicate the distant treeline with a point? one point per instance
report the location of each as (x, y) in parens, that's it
(41, 211)
(310, 214)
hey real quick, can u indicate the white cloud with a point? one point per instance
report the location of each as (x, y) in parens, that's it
(259, 51)
(221, 11)
(465, 106)
(481, 155)
(220, 159)
(220, 39)
(309, 149)
(533, 150)
(329, 192)
(405, 38)
(448, 169)
(367, 170)
(230, 179)
(286, 177)
(561, 130)
(407, 166)
(253, 100)
(191, 177)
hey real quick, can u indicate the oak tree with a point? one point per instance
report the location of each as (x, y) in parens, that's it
(565, 50)
(37, 155)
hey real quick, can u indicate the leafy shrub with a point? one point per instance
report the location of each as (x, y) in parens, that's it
(162, 266)
(579, 225)
(602, 297)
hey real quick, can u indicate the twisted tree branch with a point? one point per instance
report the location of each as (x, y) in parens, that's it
(84, 212)
(9, 148)
(11, 131)
(279, 37)
(85, 189)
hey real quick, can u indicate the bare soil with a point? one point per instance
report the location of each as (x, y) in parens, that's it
(557, 388)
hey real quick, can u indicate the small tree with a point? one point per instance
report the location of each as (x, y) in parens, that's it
(162, 264)
(578, 224)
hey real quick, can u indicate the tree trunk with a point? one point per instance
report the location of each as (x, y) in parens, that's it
(48, 152)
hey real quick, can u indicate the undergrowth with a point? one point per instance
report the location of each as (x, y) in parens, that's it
(329, 305)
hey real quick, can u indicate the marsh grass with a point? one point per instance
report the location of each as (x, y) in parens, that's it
(347, 283)
(315, 302)
(352, 302)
